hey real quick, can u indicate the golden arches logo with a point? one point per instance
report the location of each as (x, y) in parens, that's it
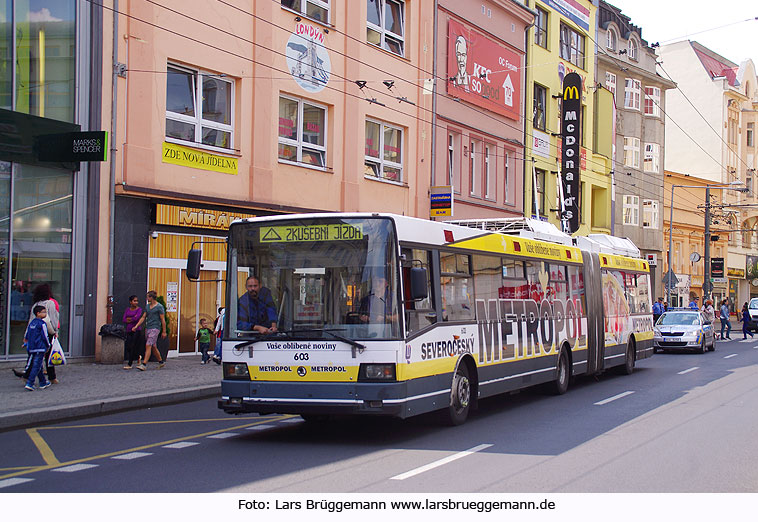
(570, 93)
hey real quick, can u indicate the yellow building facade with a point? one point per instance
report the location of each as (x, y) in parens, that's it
(562, 41)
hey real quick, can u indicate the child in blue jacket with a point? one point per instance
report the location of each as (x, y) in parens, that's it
(37, 344)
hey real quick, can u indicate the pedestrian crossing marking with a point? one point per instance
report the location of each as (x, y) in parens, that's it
(180, 445)
(132, 455)
(13, 482)
(292, 421)
(260, 427)
(75, 467)
(225, 435)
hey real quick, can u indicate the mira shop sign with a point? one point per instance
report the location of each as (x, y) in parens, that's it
(198, 159)
(179, 216)
(482, 71)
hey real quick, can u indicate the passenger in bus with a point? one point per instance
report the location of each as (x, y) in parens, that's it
(255, 308)
(376, 307)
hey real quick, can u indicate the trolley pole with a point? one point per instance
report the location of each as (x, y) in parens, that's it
(707, 286)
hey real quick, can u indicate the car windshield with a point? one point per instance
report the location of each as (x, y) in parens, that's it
(680, 319)
(753, 303)
(314, 278)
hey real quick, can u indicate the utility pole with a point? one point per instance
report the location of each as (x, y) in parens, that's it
(707, 286)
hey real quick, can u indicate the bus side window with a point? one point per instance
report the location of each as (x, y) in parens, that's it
(418, 314)
(455, 280)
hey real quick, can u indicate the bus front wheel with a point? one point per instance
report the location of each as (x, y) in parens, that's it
(562, 375)
(460, 397)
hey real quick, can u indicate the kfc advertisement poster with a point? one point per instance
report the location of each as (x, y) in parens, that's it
(482, 71)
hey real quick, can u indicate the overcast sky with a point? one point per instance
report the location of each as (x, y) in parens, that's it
(665, 20)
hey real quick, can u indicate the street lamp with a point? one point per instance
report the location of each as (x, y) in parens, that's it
(707, 254)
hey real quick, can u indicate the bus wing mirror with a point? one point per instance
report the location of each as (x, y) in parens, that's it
(194, 259)
(419, 288)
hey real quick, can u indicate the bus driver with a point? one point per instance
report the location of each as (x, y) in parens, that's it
(255, 308)
(376, 307)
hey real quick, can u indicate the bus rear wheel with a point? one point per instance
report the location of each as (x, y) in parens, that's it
(628, 367)
(562, 374)
(460, 398)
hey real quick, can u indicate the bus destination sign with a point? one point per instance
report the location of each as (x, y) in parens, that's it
(297, 233)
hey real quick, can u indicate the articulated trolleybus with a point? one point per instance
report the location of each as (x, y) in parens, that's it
(381, 314)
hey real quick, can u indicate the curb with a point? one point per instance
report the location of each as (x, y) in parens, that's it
(23, 419)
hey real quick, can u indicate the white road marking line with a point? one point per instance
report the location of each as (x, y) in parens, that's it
(730, 356)
(292, 420)
(13, 481)
(610, 399)
(132, 455)
(746, 340)
(225, 435)
(689, 370)
(260, 427)
(180, 445)
(75, 467)
(440, 462)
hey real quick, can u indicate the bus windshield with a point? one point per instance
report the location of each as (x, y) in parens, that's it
(314, 278)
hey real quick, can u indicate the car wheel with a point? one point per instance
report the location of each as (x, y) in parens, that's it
(702, 345)
(460, 398)
(712, 347)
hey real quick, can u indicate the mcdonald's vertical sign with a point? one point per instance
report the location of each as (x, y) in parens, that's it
(571, 128)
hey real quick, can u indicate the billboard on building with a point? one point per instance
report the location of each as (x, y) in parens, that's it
(571, 125)
(482, 71)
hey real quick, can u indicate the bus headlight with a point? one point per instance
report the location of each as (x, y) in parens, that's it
(236, 371)
(376, 372)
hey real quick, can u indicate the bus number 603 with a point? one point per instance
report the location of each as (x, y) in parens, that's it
(301, 356)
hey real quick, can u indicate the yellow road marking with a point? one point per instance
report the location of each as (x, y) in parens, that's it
(136, 423)
(17, 467)
(138, 448)
(44, 449)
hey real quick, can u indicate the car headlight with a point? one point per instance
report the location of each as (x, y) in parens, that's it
(376, 372)
(656, 332)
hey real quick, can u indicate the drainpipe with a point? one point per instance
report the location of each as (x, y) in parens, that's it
(112, 185)
(433, 163)
(526, 108)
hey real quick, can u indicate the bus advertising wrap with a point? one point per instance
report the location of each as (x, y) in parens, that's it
(571, 126)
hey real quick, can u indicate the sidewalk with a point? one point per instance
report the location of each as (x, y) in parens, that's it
(87, 388)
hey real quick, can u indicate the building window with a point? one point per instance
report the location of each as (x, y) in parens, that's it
(539, 177)
(540, 106)
(540, 28)
(384, 151)
(611, 39)
(651, 161)
(632, 94)
(475, 150)
(302, 132)
(652, 101)
(487, 173)
(632, 210)
(650, 213)
(454, 160)
(315, 9)
(386, 25)
(610, 83)
(572, 46)
(199, 108)
(506, 181)
(632, 152)
(750, 133)
(633, 49)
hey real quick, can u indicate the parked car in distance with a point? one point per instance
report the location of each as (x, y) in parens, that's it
(683, 330)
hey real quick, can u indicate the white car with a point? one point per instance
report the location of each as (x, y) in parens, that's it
(752, 310)
(683, 330)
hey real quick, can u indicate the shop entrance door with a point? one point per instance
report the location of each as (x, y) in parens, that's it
(199, 301)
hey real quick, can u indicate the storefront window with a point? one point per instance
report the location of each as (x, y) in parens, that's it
(40, 245)
(45, 57)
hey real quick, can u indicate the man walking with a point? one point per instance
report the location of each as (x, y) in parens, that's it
(724, 316)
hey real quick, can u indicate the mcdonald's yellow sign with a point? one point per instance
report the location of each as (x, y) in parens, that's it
(570, 93)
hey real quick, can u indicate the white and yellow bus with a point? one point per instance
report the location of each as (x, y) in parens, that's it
(381, 314)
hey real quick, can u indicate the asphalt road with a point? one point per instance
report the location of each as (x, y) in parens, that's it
(681, 423)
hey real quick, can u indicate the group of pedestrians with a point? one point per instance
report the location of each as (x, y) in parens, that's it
(153, 317)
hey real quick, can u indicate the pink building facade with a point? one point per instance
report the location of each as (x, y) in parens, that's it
(479, 127)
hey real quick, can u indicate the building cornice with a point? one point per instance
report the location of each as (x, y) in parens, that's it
(624, 66)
